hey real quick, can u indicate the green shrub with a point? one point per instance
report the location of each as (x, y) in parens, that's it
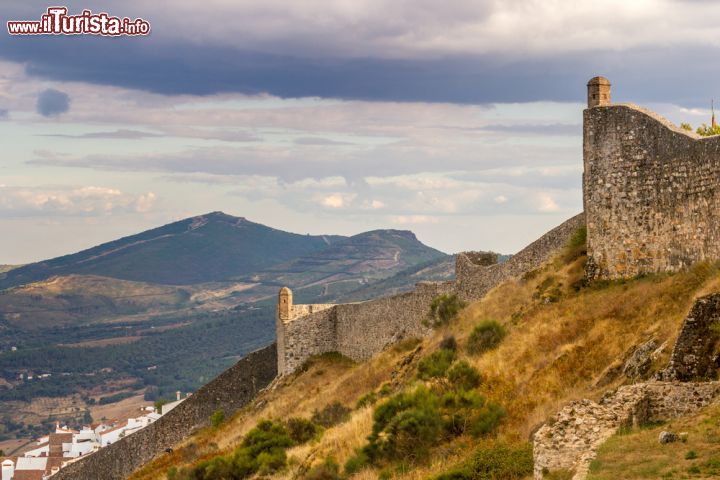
(302, 430)
(172, 473)
(708, 130)
(469, 412)
(328, 470)
(576, 246)
(368, 399)
(487, 419)
(436, 364)
(217, 418)
(357, 462)
(494, 461)
(444, 308)
(464, 376)
(550, 290)
(485, 336)
(262, 451)
(449, 343)
(331, 415)
(691, 455)
(385, 390)
(405, 426)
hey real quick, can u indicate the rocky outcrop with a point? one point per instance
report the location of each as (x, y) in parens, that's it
(695, 354)
(571, 439)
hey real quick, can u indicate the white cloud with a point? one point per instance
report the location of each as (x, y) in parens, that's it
(414, 219)
(546, 203)
(337, 200)
(19, 201)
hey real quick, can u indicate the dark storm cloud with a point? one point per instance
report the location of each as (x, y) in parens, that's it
(51, 103)
(205, 69)
(170, 62)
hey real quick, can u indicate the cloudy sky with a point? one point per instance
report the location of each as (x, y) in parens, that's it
(459, 120)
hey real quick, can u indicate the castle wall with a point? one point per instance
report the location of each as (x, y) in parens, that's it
(361, 330)
(651, 193)
(474, 281)
(366, 328)
(229, 391)
(305, 335)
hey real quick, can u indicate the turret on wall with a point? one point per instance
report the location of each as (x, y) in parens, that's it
(598, 92)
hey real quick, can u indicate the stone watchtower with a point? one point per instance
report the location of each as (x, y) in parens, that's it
(285, 304)
(598, 92)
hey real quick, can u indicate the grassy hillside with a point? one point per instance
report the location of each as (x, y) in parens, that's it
(206, 248)
(348, 263)
(76, 299)
(440, 269)
(636, 453)
(7, 268)
(558, 339)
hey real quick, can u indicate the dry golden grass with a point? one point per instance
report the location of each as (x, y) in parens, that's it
(638, 455)
(326, 380)
(564, 341)
(560, 351)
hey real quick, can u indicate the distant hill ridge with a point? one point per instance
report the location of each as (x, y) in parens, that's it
(217, 247)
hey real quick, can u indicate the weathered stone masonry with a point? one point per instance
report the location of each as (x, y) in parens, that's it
(571, 440)
(651, 192)
(360, 330)
(229, 391)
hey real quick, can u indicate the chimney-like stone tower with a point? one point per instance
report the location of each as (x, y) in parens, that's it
(285, 303)
(598, 92)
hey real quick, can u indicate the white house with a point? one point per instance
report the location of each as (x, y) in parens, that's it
(8, 469)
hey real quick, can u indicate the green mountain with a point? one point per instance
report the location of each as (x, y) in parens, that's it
(440, 269)
(207, 248)
(347, 265)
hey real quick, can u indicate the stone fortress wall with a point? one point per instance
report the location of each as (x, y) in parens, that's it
(651, 191)
(229, 391)
(360, 330)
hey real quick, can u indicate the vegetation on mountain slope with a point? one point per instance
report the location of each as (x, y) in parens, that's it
(83, 299)
(563, 340)
(175, 353)
(7, 268)
(440, 269)
(206, 248)
(342, 267)
(98, 335)
(635, 454)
